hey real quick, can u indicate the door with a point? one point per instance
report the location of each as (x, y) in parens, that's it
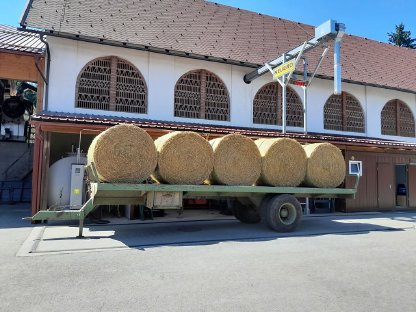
(411, 185)
(386, 189)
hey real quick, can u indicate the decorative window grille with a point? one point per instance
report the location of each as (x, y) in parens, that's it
(397, 119)
(111, 83)
(200, 94)
(343, 113)
(267, 106)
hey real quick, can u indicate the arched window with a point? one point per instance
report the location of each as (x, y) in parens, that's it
(397, 119)
(111, 83)
(343, 113)
(267, 106)
(201, 94)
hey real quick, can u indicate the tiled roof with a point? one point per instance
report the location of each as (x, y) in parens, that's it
(16, 40)
(217, 32)
(216, 130)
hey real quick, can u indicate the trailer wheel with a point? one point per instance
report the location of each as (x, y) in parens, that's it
(245, 214)
(282, 213)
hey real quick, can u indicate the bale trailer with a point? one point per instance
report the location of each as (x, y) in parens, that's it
(277, 207)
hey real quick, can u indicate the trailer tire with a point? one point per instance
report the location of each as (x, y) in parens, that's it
(245, 213)
(282, 213)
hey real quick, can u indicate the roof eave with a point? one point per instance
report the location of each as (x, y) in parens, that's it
(184, 54)
(138, 47)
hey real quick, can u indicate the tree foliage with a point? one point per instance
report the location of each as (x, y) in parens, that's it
(402, 38)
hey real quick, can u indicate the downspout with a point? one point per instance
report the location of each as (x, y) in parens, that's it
(48, 66)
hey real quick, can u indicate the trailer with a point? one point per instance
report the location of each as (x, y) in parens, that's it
(278, 207)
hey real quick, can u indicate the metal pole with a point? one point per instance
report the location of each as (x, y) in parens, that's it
(284, 99)
(337, 67)
(305, 96)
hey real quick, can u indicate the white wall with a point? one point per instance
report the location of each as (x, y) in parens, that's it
(162, 71)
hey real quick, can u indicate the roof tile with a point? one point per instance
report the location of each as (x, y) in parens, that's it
(206, 28)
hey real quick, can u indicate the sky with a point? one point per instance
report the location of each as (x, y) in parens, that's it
(366, 18)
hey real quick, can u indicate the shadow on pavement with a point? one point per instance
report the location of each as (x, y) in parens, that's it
(190, 233)
(62, 237)
(11, 215)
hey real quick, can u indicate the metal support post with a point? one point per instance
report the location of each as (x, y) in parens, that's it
(305, 95)
(337, 67)
(81, 227)
(284, 98)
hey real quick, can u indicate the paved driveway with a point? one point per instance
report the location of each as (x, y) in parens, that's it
(344, 263)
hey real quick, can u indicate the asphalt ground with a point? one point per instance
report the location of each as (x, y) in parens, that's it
(361, 262)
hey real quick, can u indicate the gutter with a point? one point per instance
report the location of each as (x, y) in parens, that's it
(48, 66)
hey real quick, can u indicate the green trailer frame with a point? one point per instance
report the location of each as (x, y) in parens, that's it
(255, 197)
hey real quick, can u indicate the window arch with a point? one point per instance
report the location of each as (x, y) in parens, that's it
(343, 113)
(397, 119)
(201, 94)
(111, 83)
(267, 106)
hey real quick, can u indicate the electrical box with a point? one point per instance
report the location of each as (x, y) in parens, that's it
(77, 187)
(329, 27)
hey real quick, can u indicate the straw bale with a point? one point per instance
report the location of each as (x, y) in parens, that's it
(326, 165)
(183, 158)
(283, 162)
(237, 160)
(123, 154)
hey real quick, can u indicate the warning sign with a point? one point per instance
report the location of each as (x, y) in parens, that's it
(284, 69)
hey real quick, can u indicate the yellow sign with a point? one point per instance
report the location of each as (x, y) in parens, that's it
(284, 69)
(77, 191)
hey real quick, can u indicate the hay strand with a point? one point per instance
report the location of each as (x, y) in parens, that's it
(283, 162)
(183, 158)
(123, 154)
(237, 160)
(326, 165)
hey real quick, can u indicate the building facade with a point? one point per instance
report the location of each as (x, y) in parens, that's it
(95, 83)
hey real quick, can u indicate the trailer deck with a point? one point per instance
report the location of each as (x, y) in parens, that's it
(166, 196)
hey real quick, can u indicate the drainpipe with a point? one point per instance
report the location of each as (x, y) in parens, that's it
(48, 66)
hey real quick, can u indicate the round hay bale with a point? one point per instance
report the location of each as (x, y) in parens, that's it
(183, 158)
(283, 162)
(123, 154)
(326, 165)
(237, 160)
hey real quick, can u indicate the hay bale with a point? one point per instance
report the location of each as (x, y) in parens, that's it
(283, 162)
(326, 165)
(183, 158)
(237, 160)
(123, 154)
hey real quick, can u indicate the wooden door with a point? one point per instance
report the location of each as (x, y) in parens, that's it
(386, 189)
(411, 185)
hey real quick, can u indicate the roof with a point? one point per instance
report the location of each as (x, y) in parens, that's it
(17, 40)
(71, 118)
(216, 32)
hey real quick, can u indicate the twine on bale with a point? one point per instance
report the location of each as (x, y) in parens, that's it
(183, 158)
(123, 154)
(326, 165)
(283, 162)
(237, 160)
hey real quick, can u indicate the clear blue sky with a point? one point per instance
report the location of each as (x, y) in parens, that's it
(367, 18)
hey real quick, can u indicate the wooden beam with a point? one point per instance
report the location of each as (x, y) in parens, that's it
(19, 67)
(396, 102)
(37, 165)
(344, 111)
(113, 83)
(45, 170)
(203, 93)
